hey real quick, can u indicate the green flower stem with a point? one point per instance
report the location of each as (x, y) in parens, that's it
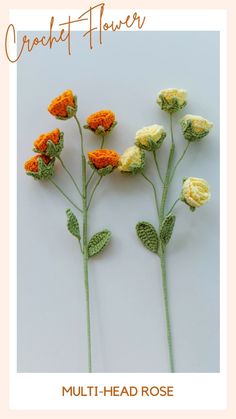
(93, 172)
(64, 194)
(91, 176)
(171, 129)
(174, 204)
(103, 140)
(166, 182)
(93, 191)
(166, 307)
(68, 172)
(162, 249)
(85, 246)
(154, 190)
(80, 245)
(178, 162)
(157, 166)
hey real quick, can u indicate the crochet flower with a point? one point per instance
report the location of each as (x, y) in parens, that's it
(132, 160)
(195, 192)
(101, 122)
(150, 138)
(103, 161)
(50, 143)
(172, 100)
(64, 106)
(195, 127)
(40, 166)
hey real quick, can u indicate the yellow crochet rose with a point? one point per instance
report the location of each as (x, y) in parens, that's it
(195, 192)
(195, 127)
(132, 160)
(172, 100)
(151, 137)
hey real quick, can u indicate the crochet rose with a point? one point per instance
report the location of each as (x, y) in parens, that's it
(150, 138)
(195, 192)
(132, 160)
(103, 161)
(40, 166)
(172, 100)
(64, 106)
(50, 143)
(195, 127)
(101, 122)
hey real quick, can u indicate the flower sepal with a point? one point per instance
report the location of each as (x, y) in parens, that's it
(100, 130)
(172, 100)
(71, 111)
(195, 127)
(150, 144)
(53, 149)
(40, 167)
(103, 171)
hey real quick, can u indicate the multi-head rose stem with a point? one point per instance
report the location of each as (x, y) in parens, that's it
(85, 244)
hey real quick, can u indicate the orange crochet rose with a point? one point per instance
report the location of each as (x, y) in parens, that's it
(32, 165)
(40, 166)
(104, 118)
(59, 105)
(42, 141)
(103, 158)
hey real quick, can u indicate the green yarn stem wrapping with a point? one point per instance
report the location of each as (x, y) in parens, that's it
(166, 307)
(85, 247)
(162, 254)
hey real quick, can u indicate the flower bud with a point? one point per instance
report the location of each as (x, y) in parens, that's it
(64, 106)
(103, 161)
(150, 138)
(132, 160)
(101, 122)
(195, 127)
(50, 143)
(195, 192)
(172, 100)
(40, 166)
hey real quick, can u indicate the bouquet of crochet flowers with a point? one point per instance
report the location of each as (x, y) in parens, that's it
(194, 192)
(48, 148)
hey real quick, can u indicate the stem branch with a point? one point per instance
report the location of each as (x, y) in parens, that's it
(68, 172)
(154, 190)
(178, 162)
(171, 209)
(157, 166)
(94, 189)
(64, 194)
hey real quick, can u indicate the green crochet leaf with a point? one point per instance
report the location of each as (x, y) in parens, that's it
(98, 242)
(148, 235)
(167, 228)
(73, 224)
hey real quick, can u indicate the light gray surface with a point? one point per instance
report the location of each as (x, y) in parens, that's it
(126, 296)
